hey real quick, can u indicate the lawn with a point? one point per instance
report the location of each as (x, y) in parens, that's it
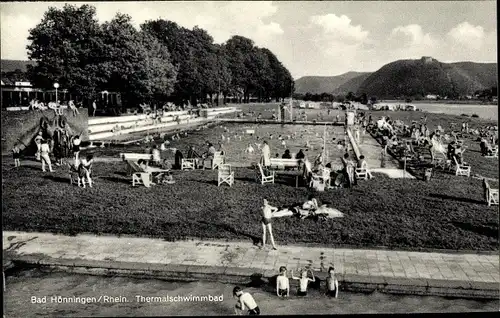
(446, 213)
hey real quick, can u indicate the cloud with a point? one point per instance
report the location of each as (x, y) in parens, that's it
(340, 28)
(220, 19)
(14, 39)
(415, 36)
(468, 35)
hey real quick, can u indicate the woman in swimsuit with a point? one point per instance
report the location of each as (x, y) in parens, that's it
(267, 211)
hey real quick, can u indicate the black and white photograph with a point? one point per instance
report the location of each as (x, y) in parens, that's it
(219, 158)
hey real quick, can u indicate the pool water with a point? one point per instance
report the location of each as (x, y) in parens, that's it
(235, 139)
(26, 284)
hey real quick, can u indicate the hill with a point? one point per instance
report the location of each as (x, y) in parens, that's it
(323, 84)
(351, 85)
(12, 65)
(414, 78)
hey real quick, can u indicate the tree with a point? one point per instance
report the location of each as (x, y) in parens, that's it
(67, 47)
(350, 96)
(135, 63)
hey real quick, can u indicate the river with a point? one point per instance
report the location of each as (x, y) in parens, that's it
(23, 286)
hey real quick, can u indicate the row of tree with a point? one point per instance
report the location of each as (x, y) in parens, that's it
(160, 62)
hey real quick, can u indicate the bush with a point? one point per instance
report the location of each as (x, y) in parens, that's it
(474, 116)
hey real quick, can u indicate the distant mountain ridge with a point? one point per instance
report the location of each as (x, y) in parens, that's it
(410, 78)
(425, 76)
(324, 84)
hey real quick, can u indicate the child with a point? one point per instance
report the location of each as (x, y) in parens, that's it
(245, 300)
(156, 155)
(303, 282)
(44, 154)
(38, 142)
(76, 146)
(332, 284)
(282, 283)
(85, 170)
(16, 154)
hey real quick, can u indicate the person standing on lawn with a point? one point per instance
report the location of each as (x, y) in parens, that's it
(245, 300)
(44, 154)
(267, 214)
(16, 154)
(266, 155)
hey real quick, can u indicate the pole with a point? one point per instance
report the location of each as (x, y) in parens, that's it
(56, 95)
(291, 101)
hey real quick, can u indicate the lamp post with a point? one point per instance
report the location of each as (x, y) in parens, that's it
(56, 86)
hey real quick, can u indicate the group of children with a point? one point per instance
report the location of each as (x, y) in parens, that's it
(246, 302)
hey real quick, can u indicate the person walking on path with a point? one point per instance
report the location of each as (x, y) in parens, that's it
(94, 108)
(44, 154)
(245, 301)
(267, 214)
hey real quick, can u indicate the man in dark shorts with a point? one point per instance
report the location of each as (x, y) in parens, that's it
(245, 301)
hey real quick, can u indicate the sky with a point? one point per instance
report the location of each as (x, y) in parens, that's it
(311, 38)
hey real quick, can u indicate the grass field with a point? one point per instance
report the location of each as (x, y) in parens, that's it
(448, 212)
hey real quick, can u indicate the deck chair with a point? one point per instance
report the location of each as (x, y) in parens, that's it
(323, 178)
(361, 173)
(140, 176)
(225, 175)
(261, 176)
(217, 160)
(461, 169)
(441, 161)
(491, 195)
(494, 154)
(188, 164)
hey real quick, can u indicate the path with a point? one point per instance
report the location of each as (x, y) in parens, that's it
(372, 150)
(418, 272)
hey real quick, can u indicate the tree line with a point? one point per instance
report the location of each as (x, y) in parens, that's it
(326, 97)
(160, 62)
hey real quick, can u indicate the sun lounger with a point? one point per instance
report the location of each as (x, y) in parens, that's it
(225, 175)
(261, 176)
(461, 169)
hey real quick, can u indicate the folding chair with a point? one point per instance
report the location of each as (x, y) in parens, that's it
(139, 175)
(361, 173)
(461, 169)
(494, 154)
(188, 164)
(261, 176)
(225, 175)
(491, 194)
(217, 160)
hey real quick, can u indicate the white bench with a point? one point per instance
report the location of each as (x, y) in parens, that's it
(136, 156)
(281, 163)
